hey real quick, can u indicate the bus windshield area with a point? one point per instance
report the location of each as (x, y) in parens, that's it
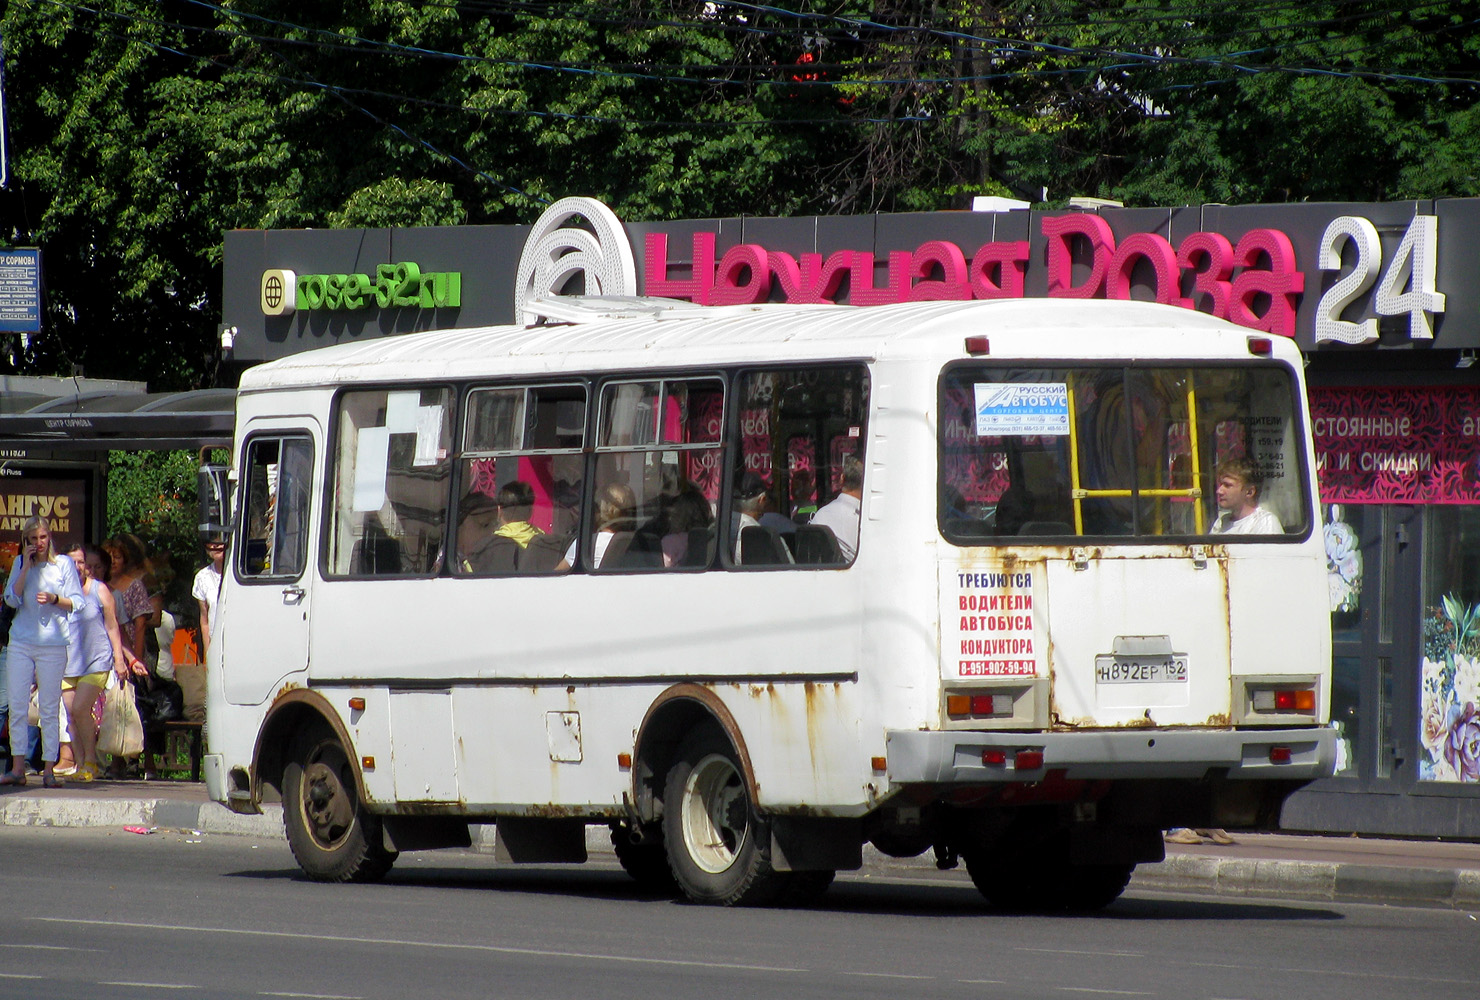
(1119, 452)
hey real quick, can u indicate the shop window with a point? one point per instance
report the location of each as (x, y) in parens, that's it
(390, 485)
(1449, 708)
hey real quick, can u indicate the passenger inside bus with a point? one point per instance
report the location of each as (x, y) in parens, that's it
(688, 539)
(754, 544)
(1239, 512)
(615, 505)
(841, 515)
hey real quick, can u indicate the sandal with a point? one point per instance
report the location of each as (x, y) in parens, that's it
(51, 781)
(11, 778)
(89, 772)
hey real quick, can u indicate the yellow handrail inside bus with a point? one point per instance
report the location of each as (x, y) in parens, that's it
(1078, 494)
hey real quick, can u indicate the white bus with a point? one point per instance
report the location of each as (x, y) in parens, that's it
(756, 586)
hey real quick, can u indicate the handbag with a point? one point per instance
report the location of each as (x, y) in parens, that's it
(122, 732)
(159, 701)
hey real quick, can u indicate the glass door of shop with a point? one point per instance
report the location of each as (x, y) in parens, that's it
(1374, 567)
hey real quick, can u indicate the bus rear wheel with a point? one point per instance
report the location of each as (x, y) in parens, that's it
(645, 860)
(718, 848)
(332, 837)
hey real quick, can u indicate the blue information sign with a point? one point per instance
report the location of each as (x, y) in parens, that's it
(1022, 408)
(20, 291)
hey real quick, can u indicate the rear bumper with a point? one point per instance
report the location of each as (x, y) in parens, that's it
(955, 757)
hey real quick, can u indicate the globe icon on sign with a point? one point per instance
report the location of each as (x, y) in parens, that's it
(272, 291)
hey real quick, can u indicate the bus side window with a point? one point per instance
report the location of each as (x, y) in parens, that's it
(657, 475)
(520, 479)
(390, 487)
(799, 467)
(275, 513)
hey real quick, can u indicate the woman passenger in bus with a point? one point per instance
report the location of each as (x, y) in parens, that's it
(688, 512)
(615, 506)
(478, 518)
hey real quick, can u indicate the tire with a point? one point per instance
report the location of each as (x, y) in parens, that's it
(331, 835)
(805, 888)
(718, 848)
(646, 862)
(1094, 887)
(1044, 883)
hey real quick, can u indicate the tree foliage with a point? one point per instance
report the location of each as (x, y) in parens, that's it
(141, 130)
(152, 494)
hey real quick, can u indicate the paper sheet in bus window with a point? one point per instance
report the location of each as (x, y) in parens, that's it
(404, 414)
(1015, 409)
(372, 453)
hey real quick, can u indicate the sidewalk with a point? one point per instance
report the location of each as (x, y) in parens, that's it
(1264, 865)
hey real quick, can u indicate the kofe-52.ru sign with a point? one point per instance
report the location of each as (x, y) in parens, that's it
(395, 286)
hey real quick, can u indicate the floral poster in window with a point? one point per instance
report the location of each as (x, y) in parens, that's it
(1450, 719)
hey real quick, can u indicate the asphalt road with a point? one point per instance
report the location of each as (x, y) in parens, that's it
(96, 914)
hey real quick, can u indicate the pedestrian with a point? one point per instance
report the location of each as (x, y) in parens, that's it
(43, 589)
(96, 650)
(207, 588)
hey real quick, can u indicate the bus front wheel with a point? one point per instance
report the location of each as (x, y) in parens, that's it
(332, 836)
(718, 848)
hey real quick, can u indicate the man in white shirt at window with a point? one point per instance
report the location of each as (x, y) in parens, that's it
(1238, 485)
(842, 514)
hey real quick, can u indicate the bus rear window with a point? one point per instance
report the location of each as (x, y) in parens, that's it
(1110, 452)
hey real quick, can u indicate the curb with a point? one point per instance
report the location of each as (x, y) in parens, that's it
(1318, 881)
(206, 817)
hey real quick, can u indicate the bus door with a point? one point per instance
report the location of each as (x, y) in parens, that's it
(271, 589)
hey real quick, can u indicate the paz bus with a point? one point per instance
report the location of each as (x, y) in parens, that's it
(757, 586)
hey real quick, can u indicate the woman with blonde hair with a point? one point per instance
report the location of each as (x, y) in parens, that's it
(43, 588)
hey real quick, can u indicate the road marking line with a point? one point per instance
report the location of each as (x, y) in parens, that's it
(152, 986)
(16, 975)
(1119, 993)
(48, 947)
(436, 945)
(886, 975)
(1072, 951)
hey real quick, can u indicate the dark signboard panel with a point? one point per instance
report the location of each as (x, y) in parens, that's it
(1336, 277)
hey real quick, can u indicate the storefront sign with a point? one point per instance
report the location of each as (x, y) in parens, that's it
(1386, 444)
(1256, 282)
(395, 286)
(1378, 274)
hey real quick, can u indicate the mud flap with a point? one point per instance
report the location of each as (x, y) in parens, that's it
(808, 843)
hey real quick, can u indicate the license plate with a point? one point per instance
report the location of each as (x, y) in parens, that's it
(1152, 669)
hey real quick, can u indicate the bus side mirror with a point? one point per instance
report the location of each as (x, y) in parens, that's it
(215, 500)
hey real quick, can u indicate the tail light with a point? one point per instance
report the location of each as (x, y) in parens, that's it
(1301, 699)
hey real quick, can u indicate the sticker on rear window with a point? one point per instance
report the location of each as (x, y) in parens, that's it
(1021, 408)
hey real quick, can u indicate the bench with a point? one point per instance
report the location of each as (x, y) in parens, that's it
(179, 735)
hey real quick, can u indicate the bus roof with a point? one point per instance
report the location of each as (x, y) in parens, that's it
(678, 334)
